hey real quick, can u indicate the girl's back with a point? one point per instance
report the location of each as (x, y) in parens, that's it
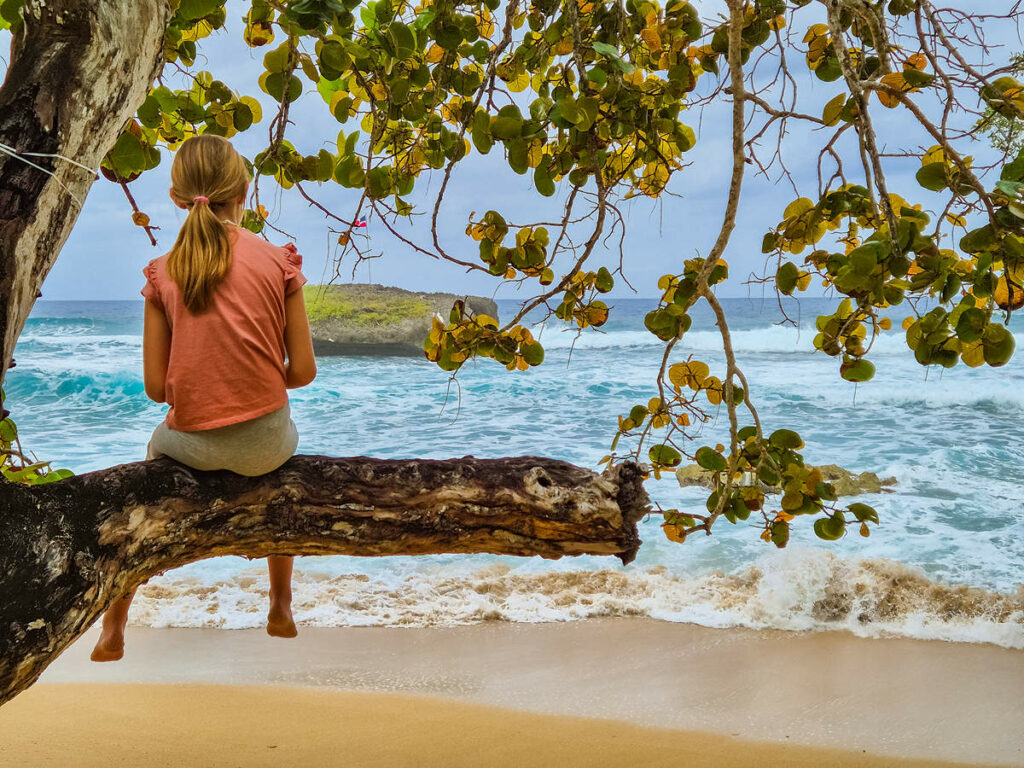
(226, 363)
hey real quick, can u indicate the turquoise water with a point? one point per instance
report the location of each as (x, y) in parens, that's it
(951, 438)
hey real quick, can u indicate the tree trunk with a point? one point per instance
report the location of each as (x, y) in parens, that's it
(68, 549)
(79, 69)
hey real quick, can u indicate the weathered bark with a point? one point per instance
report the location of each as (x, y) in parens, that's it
(79, 69)
(68, 549)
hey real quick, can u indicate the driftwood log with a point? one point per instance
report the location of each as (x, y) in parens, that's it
(69, 549)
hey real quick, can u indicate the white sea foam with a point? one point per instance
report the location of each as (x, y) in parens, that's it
(805, 590)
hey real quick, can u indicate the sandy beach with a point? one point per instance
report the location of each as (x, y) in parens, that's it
(589, 693)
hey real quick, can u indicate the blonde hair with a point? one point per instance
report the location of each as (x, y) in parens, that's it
(207, 172)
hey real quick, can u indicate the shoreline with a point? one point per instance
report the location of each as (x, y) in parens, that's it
(890, 698)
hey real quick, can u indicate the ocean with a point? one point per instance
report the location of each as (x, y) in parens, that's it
(946, 562)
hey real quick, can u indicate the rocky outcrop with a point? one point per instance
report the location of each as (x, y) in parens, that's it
(370, 319)
(844, 482)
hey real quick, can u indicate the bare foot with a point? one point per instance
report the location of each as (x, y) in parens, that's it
(280, 622)
(110, 646)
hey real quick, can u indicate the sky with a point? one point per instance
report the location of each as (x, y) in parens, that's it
(105, 254)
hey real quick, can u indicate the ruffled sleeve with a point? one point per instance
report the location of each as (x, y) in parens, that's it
(293, 277)
(151, 290)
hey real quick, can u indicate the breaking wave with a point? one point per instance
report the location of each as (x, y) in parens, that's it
(803, 590)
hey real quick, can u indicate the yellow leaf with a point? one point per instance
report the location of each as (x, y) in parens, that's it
(813, 478)
(814, 31)
(1007, 295)
(917, 61)
(651, 37)
(973, 354)
(895, 81)
(830, 115)
(907, 322)
(140, 219)
(258, 33)
(885, 323)
(434, 54)
(779, 22)
(674, 533)
(797, 207)
(935, 154)
(520, 82)
(485, 320)
(343, 238)
(713, 387)
(535, 153)
(956, 220)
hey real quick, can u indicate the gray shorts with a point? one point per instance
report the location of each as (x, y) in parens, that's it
(252, 447)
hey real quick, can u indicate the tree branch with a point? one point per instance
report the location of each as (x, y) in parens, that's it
(69, 549)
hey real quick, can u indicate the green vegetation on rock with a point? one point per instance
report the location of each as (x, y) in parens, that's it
(331, 302)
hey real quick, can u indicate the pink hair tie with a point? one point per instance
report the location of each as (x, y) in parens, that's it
(201, 199)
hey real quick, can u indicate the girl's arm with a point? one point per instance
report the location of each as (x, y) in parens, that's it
(301, 366)
(156, 351)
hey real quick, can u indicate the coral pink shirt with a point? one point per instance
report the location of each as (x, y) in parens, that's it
(227, 363)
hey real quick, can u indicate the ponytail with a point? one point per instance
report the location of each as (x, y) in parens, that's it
(207, 172)
(200, 258)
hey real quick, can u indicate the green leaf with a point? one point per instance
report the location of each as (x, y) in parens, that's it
(193, 10)
(858, 370)
(786, 278)
(780, 534)
(663, 324)
(532, 353)
(829, 528)
(786, 438)
(915, 78)
(150, 114)
(711, 459)
(863, 512)
(932, 176)
(664, 455)
(241, 117)
(542, 180)
(978, 240)
(8, 431)
(127, 157)
(333, 56)
(997, 345)
(274, 85)
(597, 76)
(482, 132)
(971, 325)
(507, 128)
(378, 182)
(612, 53)
(404, 39)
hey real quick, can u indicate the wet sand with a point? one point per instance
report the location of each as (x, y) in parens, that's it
(499, 694)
